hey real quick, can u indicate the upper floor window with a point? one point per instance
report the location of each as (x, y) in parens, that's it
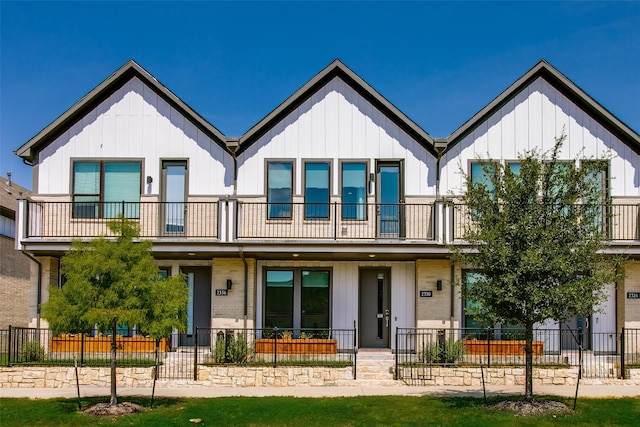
(354, 190)
(316, 190)
(7, 222)
(279, 189)
(480, 174)
(106, 189)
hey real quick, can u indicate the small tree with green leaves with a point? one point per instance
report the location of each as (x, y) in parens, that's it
(536, 236)
(112, 282)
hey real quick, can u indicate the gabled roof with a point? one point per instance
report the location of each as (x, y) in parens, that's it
(565, 86)
(101, 92)
(336, 69)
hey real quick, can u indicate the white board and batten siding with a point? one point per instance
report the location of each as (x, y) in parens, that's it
(532, 120)
(336, 123)
(345, 287)
(136, 123)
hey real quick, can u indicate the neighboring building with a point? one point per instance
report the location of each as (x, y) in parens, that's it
(333, 210)
(15, 267)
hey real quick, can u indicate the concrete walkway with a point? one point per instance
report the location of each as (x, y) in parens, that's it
(328, 391)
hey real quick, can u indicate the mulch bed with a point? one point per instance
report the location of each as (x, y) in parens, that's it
(533, 408)
(106, 410)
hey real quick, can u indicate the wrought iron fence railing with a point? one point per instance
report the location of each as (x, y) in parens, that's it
(600, 354)
(332, 348)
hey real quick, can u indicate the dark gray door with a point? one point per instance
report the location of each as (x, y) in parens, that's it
(575, 332)
(199, 307)
(375, 308)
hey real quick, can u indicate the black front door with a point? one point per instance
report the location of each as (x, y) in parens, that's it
(199, 306)
(375, 308)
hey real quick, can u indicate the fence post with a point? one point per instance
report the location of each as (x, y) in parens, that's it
(622, 370)
(335, 221)
(82, 334)
(355, 350)
(9, 347)
(275, 346)
(395, 373)
(489, 347)
(195, 355)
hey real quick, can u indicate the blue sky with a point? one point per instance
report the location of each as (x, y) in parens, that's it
(233, 63)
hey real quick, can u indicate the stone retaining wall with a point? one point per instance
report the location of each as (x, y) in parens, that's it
(516, 376)
(233, 376)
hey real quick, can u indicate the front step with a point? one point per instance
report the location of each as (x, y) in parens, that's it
(377, 365)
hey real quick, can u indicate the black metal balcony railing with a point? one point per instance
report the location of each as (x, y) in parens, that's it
(335, 221)
(89, 219)
(621, 224)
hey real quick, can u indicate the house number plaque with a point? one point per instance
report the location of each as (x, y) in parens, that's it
(222, 292)
(633, 295)
(426, 294)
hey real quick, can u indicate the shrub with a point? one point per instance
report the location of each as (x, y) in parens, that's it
(233, 349)
(32, 351)
(448, 352)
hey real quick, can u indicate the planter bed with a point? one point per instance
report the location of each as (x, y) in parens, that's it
(502, 348)
(296, 346)
(67, 343)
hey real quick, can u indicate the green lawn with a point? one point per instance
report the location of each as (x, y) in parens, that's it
(279, 411)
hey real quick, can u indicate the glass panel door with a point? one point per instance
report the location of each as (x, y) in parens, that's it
(390, 197)
(174, 174)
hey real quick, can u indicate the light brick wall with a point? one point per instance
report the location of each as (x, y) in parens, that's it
(50, 276)
(14, 285)
(228, 311)
(630, 307)
(435, 311)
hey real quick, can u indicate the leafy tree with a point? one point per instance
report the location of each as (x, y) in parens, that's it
(112, 282)
(536, 236)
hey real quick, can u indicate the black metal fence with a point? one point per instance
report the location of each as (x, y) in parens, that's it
(31, 346)
(599, 354)
(334, 348)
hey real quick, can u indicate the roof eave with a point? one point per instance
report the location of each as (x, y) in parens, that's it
(119, 78)
(336, 69)
(565, 86)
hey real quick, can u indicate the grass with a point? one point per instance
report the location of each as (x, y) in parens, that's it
(287, 411)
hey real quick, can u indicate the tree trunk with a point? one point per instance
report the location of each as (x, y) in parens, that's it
(114, 397)
(528, 376)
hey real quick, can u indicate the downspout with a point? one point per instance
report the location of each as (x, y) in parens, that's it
(39, 297)
(246, 285)
(453, 287)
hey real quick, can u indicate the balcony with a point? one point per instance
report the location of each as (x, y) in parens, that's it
(430, 222)
(336, 221)
(623, 224)
(65, 220)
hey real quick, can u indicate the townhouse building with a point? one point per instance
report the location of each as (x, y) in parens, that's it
(334, 211)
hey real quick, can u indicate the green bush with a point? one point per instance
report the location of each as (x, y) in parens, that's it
(448, 352)
(233, 349)
(32, 351)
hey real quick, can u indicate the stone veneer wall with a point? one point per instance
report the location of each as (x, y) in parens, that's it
(233, 376)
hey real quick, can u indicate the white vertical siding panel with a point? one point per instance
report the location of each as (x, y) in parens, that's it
(548, 117)
(120, 147)
(358, 132)
(535, 114)
(590, 137)
(520, 142)
(494, 135)
(315, 144)
(332, 122)
(345, 125)
(563, 108)
(575, 131)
